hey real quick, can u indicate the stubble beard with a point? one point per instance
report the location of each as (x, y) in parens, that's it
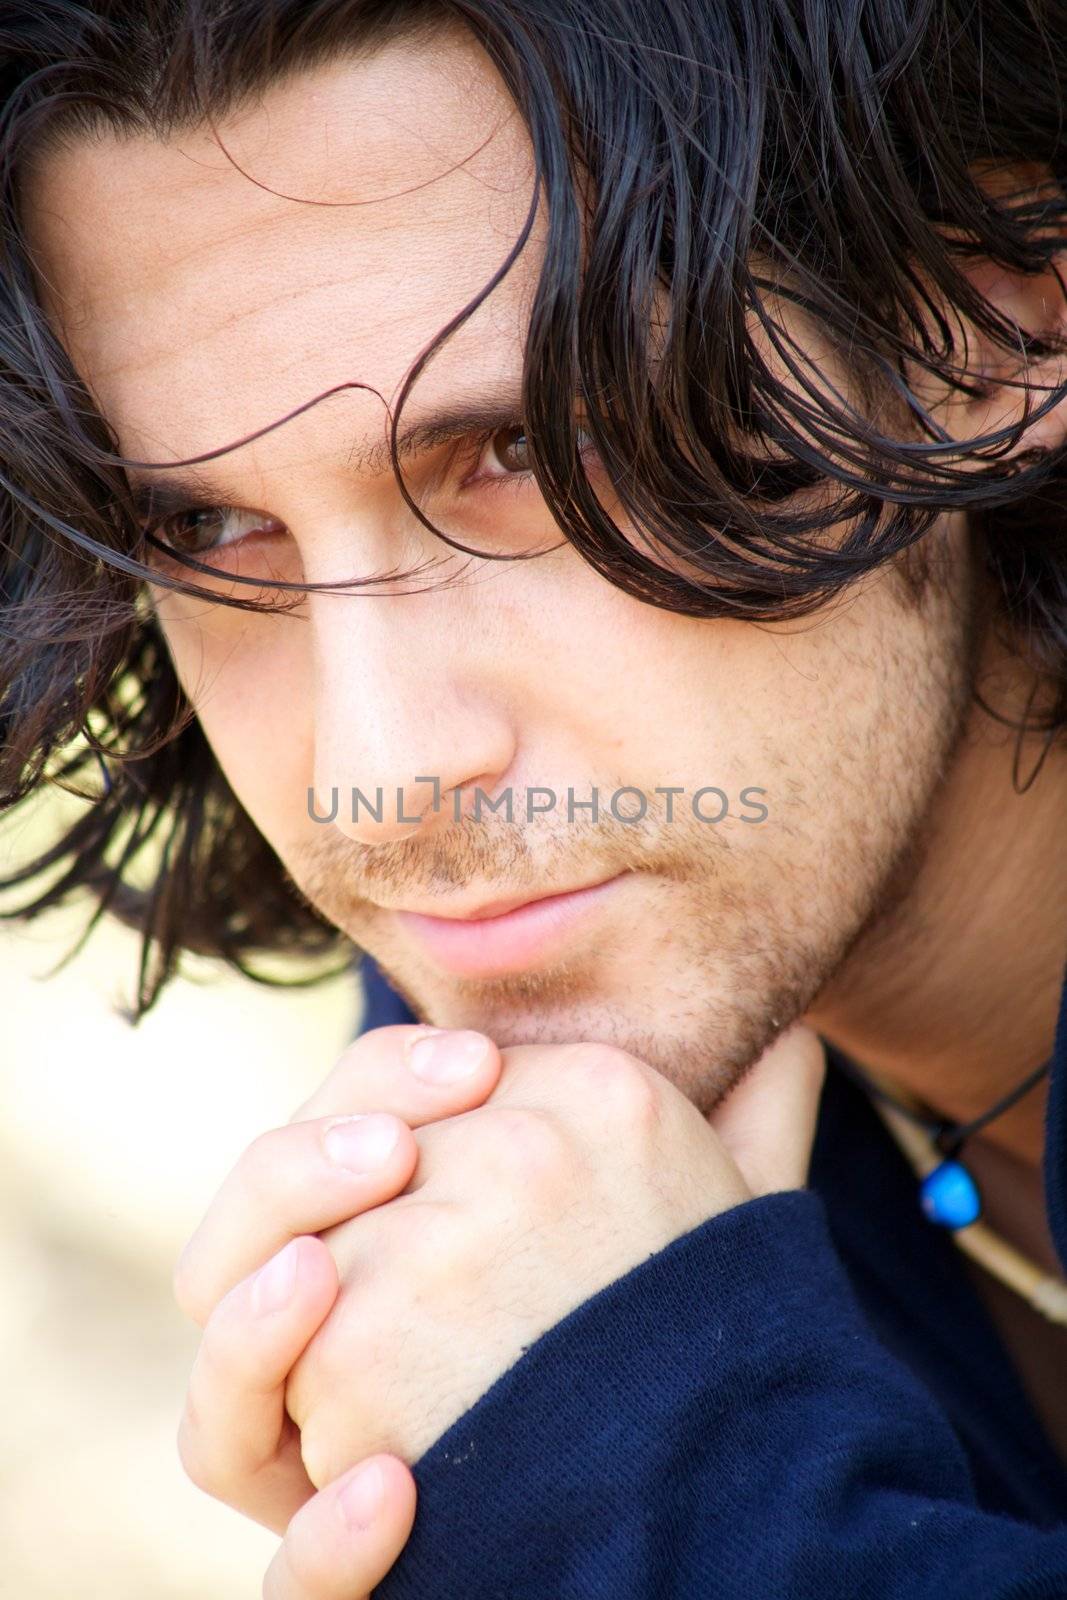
(738, 943)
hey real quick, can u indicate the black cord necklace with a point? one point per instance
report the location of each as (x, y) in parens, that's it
(949, 1194)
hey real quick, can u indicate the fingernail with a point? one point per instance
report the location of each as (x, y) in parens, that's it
(362, 1143)
(273, 1285)
(448, 1057)
(362, 1496)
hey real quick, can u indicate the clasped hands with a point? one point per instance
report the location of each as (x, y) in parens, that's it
(368, 1271)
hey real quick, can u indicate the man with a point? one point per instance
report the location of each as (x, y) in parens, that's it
(592, 472)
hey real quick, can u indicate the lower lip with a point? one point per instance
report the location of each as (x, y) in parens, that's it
(486, 947)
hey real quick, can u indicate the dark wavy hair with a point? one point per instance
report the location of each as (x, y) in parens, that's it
(702, 165)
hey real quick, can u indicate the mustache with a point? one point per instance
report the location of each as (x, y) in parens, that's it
(329, 867)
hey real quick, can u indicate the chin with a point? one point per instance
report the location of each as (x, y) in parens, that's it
(699, 1046)
(698, 1003)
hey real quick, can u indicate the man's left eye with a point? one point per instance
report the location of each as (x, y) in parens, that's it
(506, 452)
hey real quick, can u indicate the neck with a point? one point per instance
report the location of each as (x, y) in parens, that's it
(953, 992)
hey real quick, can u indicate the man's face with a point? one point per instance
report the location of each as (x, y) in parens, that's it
(200, 306)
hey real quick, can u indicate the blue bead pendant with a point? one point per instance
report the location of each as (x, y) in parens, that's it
(949, 1196)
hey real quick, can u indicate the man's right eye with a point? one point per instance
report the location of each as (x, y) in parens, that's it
(200, 532)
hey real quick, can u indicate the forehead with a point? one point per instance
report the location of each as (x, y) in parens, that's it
(201, 296)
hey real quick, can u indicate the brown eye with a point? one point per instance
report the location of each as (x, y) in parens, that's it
(508, 451)
(199, 532)
(194, 533)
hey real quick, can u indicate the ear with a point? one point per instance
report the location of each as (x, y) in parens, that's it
(1037, 305)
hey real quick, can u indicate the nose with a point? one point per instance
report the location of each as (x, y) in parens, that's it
(407, 712)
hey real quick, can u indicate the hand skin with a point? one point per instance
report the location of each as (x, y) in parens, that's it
(547, 1173)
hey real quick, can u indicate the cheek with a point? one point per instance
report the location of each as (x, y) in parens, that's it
(249, 681)
(623, 686)
(804, 709)
(661, 695)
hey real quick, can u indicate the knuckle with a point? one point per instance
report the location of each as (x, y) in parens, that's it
(332, 1350)
(361, 1073)
(318, 1455)
(433, 1236)
(191, 1285)
(272, 1177)
(525, 1144)
(435, 1246)
(619, 1085)
(262, 1165)
(192, 1456)
(420, 1249)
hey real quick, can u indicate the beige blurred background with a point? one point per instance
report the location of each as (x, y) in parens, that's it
(113, 1141)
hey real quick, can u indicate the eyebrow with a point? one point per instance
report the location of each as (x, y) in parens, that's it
(171, 491)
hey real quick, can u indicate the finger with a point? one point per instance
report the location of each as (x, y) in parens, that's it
(345, 1539)
(289, 1181)
(299, 1179)
(767, 1121)
(382, 1071)
(236, 1441)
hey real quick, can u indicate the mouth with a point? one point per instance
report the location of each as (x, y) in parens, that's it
(501, 936)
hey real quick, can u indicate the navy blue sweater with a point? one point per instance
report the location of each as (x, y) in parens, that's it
(802, 1398)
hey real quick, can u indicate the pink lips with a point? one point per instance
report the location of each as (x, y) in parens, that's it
(485, 947)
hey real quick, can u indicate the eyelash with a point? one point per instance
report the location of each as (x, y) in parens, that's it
(154, 532)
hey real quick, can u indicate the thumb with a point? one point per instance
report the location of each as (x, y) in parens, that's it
(767, 1120)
